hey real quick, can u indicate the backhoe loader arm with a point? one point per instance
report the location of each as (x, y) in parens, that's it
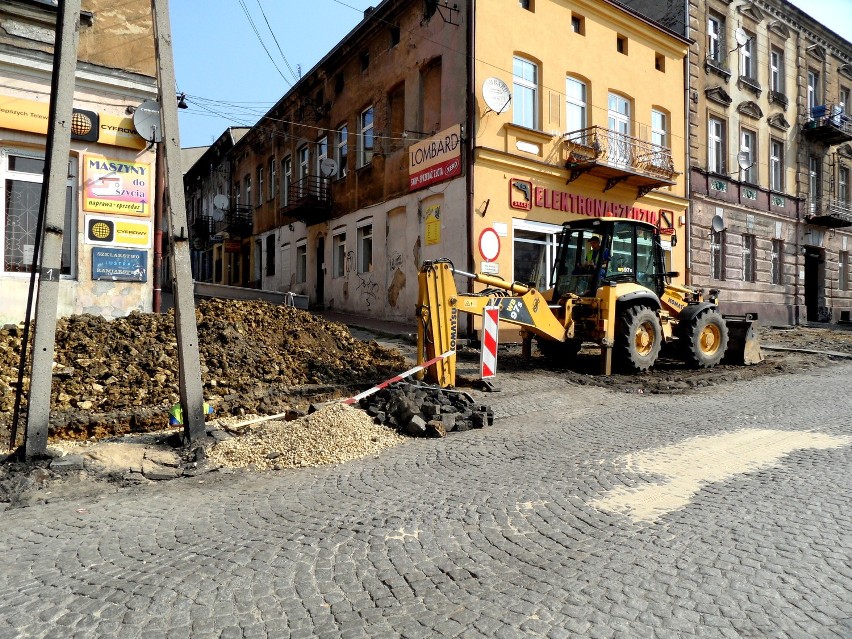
(439, 304)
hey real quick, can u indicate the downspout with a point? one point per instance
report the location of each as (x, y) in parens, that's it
(688, 155)
(470, 145)
(799, 199)
(159, 204)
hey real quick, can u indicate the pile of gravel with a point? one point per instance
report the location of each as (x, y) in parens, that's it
(333, 434)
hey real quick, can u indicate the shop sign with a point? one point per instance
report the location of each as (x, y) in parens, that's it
(520, 194)
(232, 246)
(581, 205)
(666, 224)
(116, 231)
(121, 265)
(435, 159)
(433, 225)
(31, 116)
(115, 186)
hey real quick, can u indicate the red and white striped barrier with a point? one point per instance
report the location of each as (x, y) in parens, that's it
(399, 377)
(488, 357)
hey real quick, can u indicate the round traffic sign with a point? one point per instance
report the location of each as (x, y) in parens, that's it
(489, 244)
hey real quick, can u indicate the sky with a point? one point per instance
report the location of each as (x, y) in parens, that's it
(233, 69)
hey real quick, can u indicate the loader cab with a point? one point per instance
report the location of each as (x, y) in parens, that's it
(628, 251)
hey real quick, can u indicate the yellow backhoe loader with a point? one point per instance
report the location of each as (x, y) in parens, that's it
(610, 288)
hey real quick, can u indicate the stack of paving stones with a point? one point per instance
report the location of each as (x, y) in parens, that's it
(424, 410)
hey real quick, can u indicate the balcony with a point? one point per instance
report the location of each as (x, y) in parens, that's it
(830, 212)
(618, 157)
(236, 224)
(201, 230)
(828, 124)
(309, 200)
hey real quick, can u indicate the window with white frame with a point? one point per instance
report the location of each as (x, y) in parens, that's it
(843, 184)
(247, 190)
(660, 158)
(618, 120)
(21, 174)
(814, 180)
(286, 179)
(322, 153)
(342, 151)
(748, 147)
(843, 99)
(747, 58)
(301, 261)
(338, 254)
(749, 258)
(717, 255)
(524, 93)
(776, 165)
(716, 38)
(365, 248)
(303, 157)
(576, 106)
(260, 185)
(777, 262)
(273, 176)
(534, 248)
(776, 70)
(813, 89)
(716, 148)
(366, 140)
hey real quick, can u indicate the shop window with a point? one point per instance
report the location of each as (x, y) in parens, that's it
(534, 249)
(749, 258)
(777, 262)
(717, 255)
(525, 93)
(338, 255)
(21, 179)
(365, 248)
(301, 262)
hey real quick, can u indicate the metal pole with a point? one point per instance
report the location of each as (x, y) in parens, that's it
(191, 397)
(53, 203)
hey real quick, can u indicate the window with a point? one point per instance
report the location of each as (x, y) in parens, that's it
(339, 83)
(716, 148)
(717, 255)
(395, 118)
(843, 184)
(365, 139)
(575, 105)
(534, 252)
(322, 153)
(394, 36)
(578, 24)
(814, 180)
(776, 70)
(21, 179)
(525, 93)
(620, 146)
(302, 262)
(748, 147)
(749, 258)
(270, 254)
(342, 151)
(843, 99)
(776, 165)
(247, 190)
(302, 156)
(843, 270)
(365, 60)
(747, 61)
(813, 89)
(259, 185)
(273, 177)
(338, 255)
(431, 79)
(660, 138)
(286, 178)
(621, 44)
(526, 4)
(777, 262)
(716, 38)
(660, 62)
(365, 248)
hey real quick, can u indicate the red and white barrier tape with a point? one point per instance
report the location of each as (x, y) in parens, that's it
(399, 377)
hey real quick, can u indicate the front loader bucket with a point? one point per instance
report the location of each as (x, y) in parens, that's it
(743, 344)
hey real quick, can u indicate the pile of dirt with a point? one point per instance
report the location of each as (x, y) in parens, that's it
(119, 376)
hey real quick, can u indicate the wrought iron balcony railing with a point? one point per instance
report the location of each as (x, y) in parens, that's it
(829, 211)
(309, 199)
(828, 123)
(618, 157)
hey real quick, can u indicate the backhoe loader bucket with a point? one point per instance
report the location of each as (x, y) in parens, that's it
(743, 343)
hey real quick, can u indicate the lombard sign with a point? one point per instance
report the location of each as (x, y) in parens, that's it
(435, 159)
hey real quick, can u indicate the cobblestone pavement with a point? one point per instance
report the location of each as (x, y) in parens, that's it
(490, 533)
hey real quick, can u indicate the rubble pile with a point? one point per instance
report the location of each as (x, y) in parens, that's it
(423, 410)
(117, 376)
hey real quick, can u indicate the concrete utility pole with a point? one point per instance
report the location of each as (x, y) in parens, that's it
(191, 394)
(49, 259)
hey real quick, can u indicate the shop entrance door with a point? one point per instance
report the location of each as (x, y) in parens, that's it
(815, 283)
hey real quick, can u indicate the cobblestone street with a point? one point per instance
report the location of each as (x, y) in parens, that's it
(504, 532)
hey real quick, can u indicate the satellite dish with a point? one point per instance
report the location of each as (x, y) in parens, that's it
(220, 201)
(328, 167)
(744, 159)
(496, 94)
(146, 121)
(741, 36)
(718, 224)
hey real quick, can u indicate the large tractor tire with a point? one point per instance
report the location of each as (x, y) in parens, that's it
(705, 339)
(638, 339)
(559, 353)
